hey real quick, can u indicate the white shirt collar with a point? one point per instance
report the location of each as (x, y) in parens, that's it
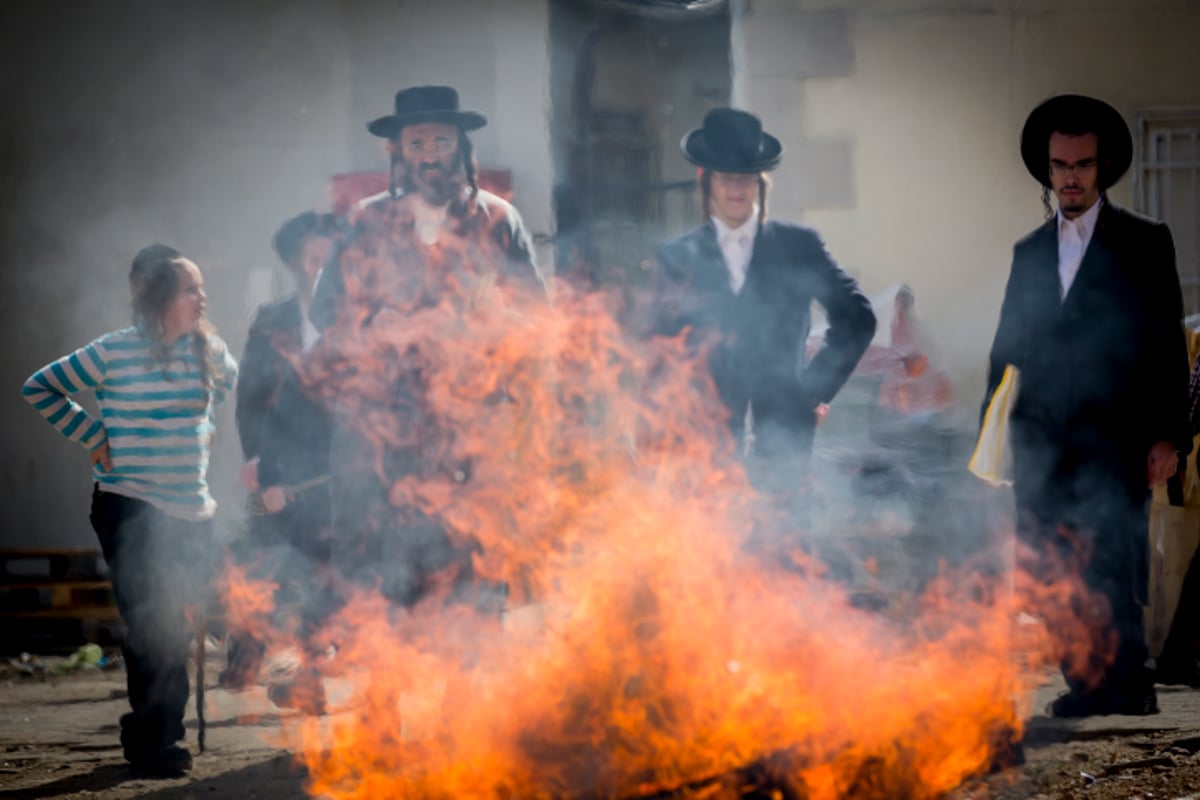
(737, 248)
(749, 228)
(1085, 223)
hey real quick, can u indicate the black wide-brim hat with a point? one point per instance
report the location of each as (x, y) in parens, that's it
(288, 240)
(1071, 114)
(732, 141)
(426, 104)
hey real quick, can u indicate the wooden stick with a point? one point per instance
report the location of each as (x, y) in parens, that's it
(201, 636)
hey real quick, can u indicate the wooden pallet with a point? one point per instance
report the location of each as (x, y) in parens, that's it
(31, 563)
(55, 584)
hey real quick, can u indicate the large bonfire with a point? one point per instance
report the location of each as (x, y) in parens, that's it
(648, 648)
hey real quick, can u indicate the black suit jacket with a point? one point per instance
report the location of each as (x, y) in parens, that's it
(295, 436)
(274, 331)
(1103, 373)
(278, 421)
(762, 331)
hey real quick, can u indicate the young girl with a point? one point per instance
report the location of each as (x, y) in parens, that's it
(157, 385)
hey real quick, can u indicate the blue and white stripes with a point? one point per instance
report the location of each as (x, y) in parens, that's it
(158, 423)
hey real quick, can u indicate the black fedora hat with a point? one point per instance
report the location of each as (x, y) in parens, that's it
(1077, 114)
(288, 240)
(732, 141)
(426, 104)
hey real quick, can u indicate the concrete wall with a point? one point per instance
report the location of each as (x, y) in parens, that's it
(204, 125)
(495, 52)
(902, 120)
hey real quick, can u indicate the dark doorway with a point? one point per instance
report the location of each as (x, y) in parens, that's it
(628, 79)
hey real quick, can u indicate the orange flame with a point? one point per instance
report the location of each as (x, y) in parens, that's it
(647, 649)
(249, 603)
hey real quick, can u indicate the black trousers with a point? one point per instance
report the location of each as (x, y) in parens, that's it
(1107, 522)
(293, 548)
(398, 549)
(161, 568)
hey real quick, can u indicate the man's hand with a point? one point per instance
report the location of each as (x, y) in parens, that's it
(820, 412)
(274, 498)
(248, 476)
(1162, 463)
(100, 456)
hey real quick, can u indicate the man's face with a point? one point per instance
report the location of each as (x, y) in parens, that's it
(432, 165)
(1074, 168)
(314, 255)
(733, 195)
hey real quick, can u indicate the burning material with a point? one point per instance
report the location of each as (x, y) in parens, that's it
(665, 657)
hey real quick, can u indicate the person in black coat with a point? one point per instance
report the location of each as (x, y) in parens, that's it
(749, 281)
(434, 231)
(434, 200)
(285, 434)
(1092, 318)
(281, 328)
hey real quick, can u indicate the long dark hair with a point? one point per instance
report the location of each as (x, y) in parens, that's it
(764, 186)
(466, 152)
(153, 293)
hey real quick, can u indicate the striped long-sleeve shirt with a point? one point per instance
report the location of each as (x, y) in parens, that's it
(157, 422)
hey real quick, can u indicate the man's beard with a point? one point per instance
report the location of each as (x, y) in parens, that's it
(434, 181)
(1072, 203)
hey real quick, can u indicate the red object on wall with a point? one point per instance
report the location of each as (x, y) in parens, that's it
(347, 188)
(497, 181)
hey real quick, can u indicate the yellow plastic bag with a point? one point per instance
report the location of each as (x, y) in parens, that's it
(992, 459)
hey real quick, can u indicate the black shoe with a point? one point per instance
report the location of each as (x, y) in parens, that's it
(1008, 751)
(1179, 672)
(1139, 702)
(304, 693)
(245, 661)
(1135, 702)
(170, 761)
(1075, 705)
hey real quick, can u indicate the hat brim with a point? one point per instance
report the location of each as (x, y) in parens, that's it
(1068, 110)
(697, 150)
(388, 127)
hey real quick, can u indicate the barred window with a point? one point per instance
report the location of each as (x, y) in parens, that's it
(1167, 187)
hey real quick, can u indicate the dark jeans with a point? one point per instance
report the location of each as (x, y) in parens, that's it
(160, 570)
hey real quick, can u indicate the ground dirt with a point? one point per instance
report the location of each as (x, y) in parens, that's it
(58, 739)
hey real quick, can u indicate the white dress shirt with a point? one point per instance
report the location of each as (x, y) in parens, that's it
(737, 246)
(308, 332)
(1074, 235)
(428, 221)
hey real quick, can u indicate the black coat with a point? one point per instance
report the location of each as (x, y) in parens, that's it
(1104, 374)
(274, 331)
(762, 331)
(295, 437)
